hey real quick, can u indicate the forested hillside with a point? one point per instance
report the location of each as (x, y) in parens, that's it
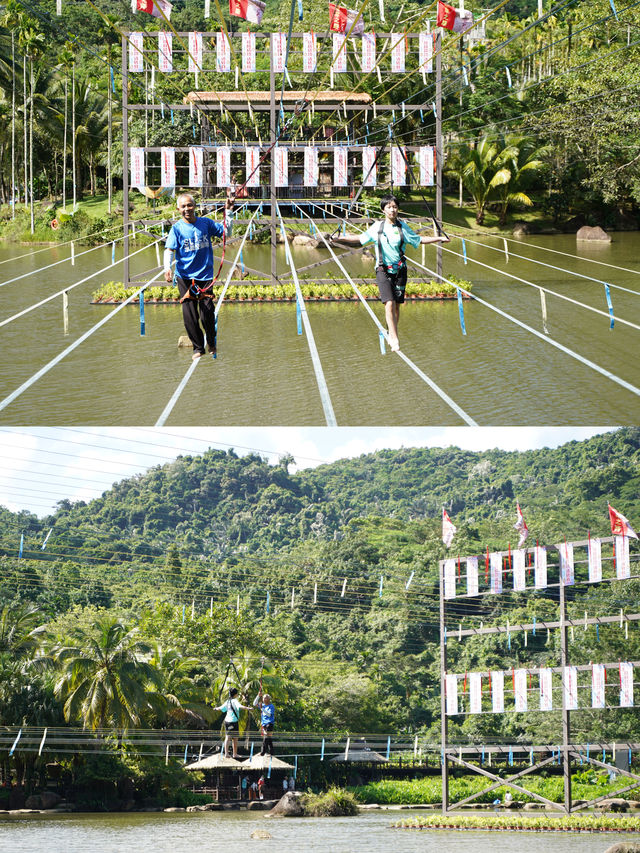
(328, 574)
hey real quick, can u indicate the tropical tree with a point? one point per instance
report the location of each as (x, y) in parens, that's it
(184, 689)
(104, 676)
(522, 157)
(479, 168)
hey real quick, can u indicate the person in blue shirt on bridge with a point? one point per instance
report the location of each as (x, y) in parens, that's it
(390, 236)
(190, 241)
(267, 720)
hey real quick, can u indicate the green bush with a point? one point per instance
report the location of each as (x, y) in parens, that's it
(336, 802)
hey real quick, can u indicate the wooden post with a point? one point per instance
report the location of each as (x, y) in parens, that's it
(125, 162)
(439, 153)
(272, 139)
(566, 714)
(443, 701)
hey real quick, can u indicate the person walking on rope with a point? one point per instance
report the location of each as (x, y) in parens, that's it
(190, 240)
(389, 236)
(232, 708)
(267, 720)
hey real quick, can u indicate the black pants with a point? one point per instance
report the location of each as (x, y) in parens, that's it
(267, 741)
(191, 308)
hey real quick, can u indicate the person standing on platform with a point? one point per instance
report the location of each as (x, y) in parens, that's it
(390, 236)
(267, 721)
(190, 241)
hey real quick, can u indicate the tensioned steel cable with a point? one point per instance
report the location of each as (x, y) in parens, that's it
(323, 390)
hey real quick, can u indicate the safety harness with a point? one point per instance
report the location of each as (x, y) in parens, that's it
(396, 267)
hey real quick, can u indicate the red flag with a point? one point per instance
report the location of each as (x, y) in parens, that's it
(157, 8)
(250, 10)
(448, 528)
(521, 526)
(341, 20)
(451, 19)
(619, 524)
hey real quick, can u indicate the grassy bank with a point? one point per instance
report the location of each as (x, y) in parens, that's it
(585, 786)
(560, 823)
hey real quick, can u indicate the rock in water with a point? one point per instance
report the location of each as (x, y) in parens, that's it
(587, 232)
(261, 834)
(624, 847)
(288, 806)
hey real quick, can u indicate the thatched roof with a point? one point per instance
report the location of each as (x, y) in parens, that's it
(263, 762)
(217, 761)
(363, 756)
(328, 99)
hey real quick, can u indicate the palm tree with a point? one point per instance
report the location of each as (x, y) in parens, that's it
(105, 675)
(32, 42)
(108, 34)
(480, 170)
(182, 698)
(521, 157)
(21, 629)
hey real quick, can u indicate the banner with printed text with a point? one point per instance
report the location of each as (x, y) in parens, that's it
(519, 574)
(340, 167)
(451, 693)
(425, 48)
(136, 56)
(472, 575)
(495, 563)
(398, 167)
(595, 560)
(368, 52)
(570, 687)
(165, 51)
(369, 167)
(223, 166)
(450, 578)
(311, 166)
(278, 51)
(623, 566)
(309, 52)
(195, 52)
(248, 53)
(626, 684)
(282, 166)
(223, 53)
(598, 681)
(426, 164)
(168, 167)
(520, 689)
(253, 170)
(339, 53)
(398, 52)
(540, 566)
(546, 691)
(475, 693)
(136, 156)
(497, 692)
(567, 576)
(196, 156)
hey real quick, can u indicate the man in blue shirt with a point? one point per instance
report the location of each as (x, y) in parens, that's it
(267, 721)
(190, 241)
(390, 236)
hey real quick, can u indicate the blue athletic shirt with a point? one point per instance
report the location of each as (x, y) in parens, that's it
(192, 245)
(267, 714)
(390, 241)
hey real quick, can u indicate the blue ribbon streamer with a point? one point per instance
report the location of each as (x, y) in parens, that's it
(113, 253)
(461, 311)
(322, 751)
(613, 9)
(299, 317)
(242, 263)
(381, 581)
(142, 323)
(610, 304)
(388, 746)
(299, 10)
(193, 127)
(185, 754)
(269, 770)
(510, 757)
(113, 82)
(383, 349)
(268, 596)
(534, 626)
(183, 606)
(464, 250)
(295, 757)
(21, 544)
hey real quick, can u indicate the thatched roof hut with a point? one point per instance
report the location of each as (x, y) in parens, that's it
(217, 761)
(263, 762)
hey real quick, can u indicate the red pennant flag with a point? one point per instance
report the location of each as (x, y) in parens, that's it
(250, 10)
(448, 528)
(619, 524)
(157, 8)
(451, 19)
(341, 20)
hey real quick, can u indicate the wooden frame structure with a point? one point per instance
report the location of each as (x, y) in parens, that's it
(547, 754)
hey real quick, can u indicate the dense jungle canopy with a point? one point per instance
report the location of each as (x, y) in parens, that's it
(540, 111)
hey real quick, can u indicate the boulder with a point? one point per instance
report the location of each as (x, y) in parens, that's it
(533, 807)
(305, 240)
(288, 805)
(520, 229)
(183, 341)
(261, 834)
(615, 804)
(624, 847)
(593, 233)
(33, 802)
(50, 800)
(257, 806)
(174, 809)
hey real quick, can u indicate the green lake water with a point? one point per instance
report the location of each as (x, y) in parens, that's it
(499, 374)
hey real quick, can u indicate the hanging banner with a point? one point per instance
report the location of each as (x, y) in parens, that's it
(398, 167)
(520, 689)
(475, 693)
(253, 170)
(518, 557)
(137, 168)
(282, 166)
(340, 167)
(546, 693)
(369, 169)
(570, 687)
(540, 559)
(626, 684)
(598, 681)
(278, 51)
(136, 57)
(472, 575)
(623, 567)
(398, 53)
(309, 52)
(425, 48)
(497, 692)
(496, 573)
(223, 166)
(566, 563)
(165, 51)
(195, 52)
(168, 167)
(426, 163)
(195, 166)
(450, 578)
(339, 62)
(311, 167)
(595, 560)
(451, 693)
(368, 52)
(248, 53)
(223, 53)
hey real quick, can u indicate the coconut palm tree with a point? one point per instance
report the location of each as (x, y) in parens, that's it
(182, 697)
(105, 678)
(479, 168)
(522, 157)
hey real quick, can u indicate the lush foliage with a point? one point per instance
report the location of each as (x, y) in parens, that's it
(335, 802)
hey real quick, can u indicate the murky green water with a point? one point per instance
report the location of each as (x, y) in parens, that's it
(498, 373)
(231, 833)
